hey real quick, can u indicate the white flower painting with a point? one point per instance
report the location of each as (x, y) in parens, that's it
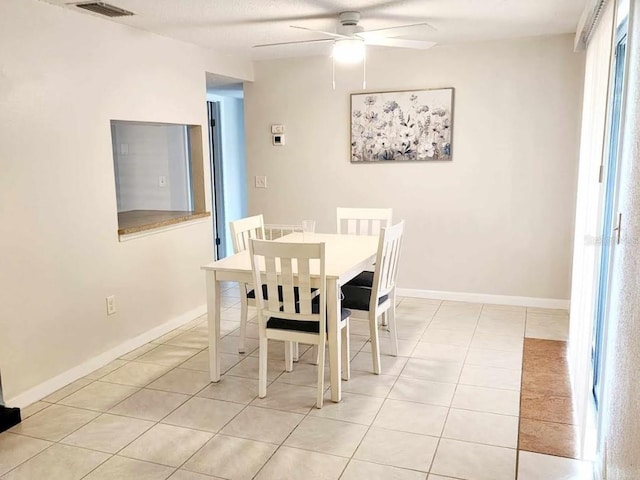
(401, 126)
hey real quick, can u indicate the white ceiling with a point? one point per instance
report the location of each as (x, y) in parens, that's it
(233, 26)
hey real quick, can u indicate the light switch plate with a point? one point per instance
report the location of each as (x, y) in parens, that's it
(261, 181)
(162, 181)
(277, 128)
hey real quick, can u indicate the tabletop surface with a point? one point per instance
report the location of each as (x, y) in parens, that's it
(342, 253)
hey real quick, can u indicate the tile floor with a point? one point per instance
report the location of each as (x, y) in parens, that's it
(447, 408)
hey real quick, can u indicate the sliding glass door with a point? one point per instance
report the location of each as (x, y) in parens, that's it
(610, 216)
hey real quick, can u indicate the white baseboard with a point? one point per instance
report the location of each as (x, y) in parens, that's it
(56, 383)
(485, 298)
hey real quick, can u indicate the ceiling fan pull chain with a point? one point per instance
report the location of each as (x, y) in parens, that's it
(364, 70)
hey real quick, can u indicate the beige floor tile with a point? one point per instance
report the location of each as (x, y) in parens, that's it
(358, 470)
(195, 339)
(287, 463)
(17, 449)
(458, 338)
(491, 377)
(497, 342)
(353, 408)
(108, 368)
(412, 417)
(494, 325)
(473, 461)
(181, 380)
(489, 308)
(366, 383)
(136, 374)
(263, 425)
(59, 462)
(230, 344)
(405, 347)
(548, 311)
(389, 365)
(423, 391)
(149, 404)
(433, 370)
(230, 457)
(436, 351)
(108, 433)
(186, 475)
(132, 355)
(494, 358)
(201, 361)
(99, 396)
(121, 468)
(168, 355)
(482, 427)
(535, 466)
(248, 368)
(170, 335)
(438, 477)
(549, 327)
(398, 449)
(167, 445)
(304, 374)
(290, 398)
(326, 435)
(54, 423)
(463, 323)
(203, 414)
(33, 409)
(232, 389)
(67, 390)
(491, 400)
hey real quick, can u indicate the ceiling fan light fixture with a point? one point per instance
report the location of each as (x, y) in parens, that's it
(348, 50)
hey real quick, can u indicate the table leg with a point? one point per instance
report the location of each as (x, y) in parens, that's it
(213, 317)
(335, 343)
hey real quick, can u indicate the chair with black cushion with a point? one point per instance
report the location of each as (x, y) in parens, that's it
(285, 267)
(379, 300)
(242, 231)
(363, 221)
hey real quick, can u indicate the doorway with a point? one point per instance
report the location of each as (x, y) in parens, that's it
(611, 219)
(225, 107)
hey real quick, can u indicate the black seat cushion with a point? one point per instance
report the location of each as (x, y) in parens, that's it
(364, 279)
(358, 298)
(265, 295)
(302, 325)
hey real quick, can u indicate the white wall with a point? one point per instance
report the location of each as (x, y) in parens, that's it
(63, 77)
(234, 166)
(496, 220)
(151, 152)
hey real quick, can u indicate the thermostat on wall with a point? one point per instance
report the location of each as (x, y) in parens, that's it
(278, 140)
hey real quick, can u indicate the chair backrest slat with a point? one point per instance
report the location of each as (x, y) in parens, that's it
(363, 221)
(245, 229)
(387, 260)
(288, 265)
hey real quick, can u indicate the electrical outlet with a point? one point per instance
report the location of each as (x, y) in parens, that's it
(261, 181)
(111, 305)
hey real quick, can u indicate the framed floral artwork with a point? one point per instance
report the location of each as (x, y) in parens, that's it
(408, 126)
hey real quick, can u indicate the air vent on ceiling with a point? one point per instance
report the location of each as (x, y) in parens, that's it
(105, 9)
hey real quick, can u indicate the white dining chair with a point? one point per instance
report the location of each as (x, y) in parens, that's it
(301, 317)
(242, 231)
(363, 221)
(379, 300)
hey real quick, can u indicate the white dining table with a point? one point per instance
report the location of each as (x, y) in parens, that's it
(345, 257)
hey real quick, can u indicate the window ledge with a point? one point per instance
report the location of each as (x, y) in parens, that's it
(142, 221)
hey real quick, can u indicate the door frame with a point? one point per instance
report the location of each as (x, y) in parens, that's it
(217, 184)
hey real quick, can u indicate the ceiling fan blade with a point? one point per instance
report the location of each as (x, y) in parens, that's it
(403, 30)
(322, 40)
(330, 34)
(400, 43)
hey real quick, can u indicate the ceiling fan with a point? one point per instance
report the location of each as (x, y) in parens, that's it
(349, 39)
